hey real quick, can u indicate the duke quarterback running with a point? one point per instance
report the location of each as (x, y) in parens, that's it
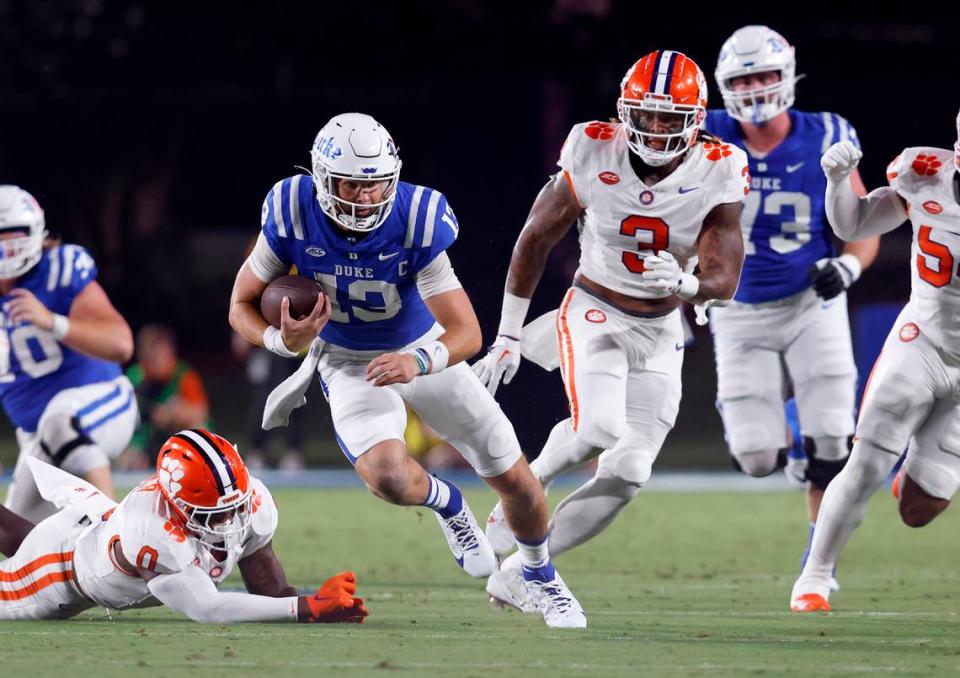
(61, 342)
(652, 198)
(171, 541)
(787, 328)
(912, 394)
(394, 326)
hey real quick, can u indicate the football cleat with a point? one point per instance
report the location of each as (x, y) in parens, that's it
(507, 589)
(499, 533)
(556, 603)
(809, 602)
(468, 544)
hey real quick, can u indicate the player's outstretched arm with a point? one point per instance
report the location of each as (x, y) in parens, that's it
(263, 574)
(93, 327)
(192, 593)
(853, 217)
(720, 251)
(554, 211)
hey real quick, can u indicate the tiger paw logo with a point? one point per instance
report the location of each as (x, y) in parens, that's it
(175, 531)
(926, 165)
(601, 131)
(256, 501)
(909, 332)
(716, 151)
(595, 315)
(170, 475)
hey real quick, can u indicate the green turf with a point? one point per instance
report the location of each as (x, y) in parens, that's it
(681, 584)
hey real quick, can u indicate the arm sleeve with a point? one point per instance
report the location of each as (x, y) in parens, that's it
(853, 218)
(192, 593)
(438, 277)
(264, 262)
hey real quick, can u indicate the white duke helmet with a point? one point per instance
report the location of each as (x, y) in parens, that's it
(756, 49)
(22, 229)
(356, 147)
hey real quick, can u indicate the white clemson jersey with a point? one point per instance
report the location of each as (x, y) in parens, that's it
(151, 537)
(625, 220)
(924, 178)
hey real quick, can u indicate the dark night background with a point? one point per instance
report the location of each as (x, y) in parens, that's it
(151, 131)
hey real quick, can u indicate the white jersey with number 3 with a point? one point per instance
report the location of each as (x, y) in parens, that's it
(625, 220)
(924, 178)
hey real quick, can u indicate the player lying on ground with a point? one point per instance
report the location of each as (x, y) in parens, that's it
(60, 344)
(912, 394)
(395, 328)
(652, 198)
(171, 541)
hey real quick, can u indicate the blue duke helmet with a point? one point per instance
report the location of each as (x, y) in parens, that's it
(355, 147)
(20, 216)
(757, 49)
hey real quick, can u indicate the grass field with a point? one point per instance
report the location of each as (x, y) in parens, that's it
(682, 584)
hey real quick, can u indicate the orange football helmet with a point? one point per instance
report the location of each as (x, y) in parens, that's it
(206, 483)
(663, 101)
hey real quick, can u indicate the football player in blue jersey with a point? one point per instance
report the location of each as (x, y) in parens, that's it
(787, 329)
(395, 325)
(61, 342)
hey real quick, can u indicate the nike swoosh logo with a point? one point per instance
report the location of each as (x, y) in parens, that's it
(683, 190)
(384, 257)
(793, 168)
(679, 346)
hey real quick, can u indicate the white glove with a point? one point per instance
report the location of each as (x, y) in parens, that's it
(700, 310)
(661, 272)
(501, 362)
(796, 472)
(840, 160)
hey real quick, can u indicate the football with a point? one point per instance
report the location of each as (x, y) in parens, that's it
(301, 291)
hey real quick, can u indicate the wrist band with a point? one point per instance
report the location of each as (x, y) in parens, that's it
(432, 357)
(512, 315)
(60, 326)
(689, 286)
(273, 342)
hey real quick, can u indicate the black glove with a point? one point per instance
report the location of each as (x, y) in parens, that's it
(832, 276)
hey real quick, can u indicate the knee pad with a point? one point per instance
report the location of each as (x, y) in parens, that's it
(631, 466)
(826, 457)
(67, 446)
(760, 464)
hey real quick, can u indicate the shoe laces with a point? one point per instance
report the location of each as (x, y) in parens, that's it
(463, 532)
(553, 594)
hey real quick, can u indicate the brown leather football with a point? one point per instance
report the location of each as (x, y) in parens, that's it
(301, 291)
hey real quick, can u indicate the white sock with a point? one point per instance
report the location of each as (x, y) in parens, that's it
(562, 452)
(844, 504)
(534, 555)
